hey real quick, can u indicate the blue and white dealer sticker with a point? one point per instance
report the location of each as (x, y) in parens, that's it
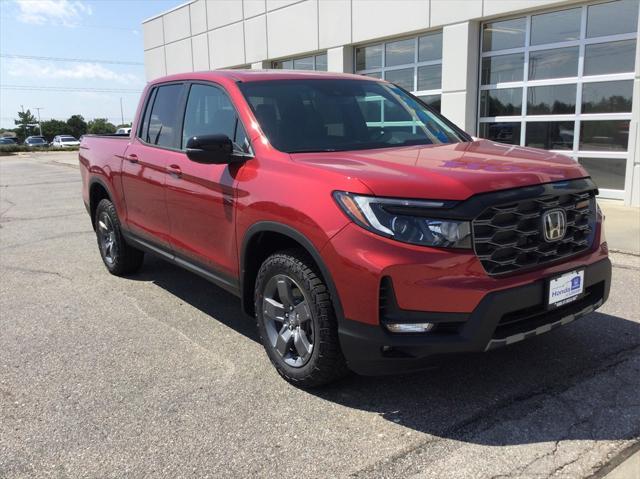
(566, 288)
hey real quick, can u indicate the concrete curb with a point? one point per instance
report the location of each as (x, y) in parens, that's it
(625, 465)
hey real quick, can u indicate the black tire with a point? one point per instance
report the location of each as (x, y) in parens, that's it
(326, 362)
(122, 259)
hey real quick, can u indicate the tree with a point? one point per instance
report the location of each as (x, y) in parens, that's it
(77, 126)
(124, 125)
(52, 128)
(101, 126)
(25, 118)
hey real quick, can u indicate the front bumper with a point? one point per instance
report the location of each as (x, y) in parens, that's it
(502, 317)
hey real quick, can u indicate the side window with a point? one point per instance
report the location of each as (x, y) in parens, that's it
(143, 132)
(164, 119)
(209, 111)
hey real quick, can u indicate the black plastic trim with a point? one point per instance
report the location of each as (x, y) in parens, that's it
(470, 208)
(372, 350)
(222, 280)
(274, 227)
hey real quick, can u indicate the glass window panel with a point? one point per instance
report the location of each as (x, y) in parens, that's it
(165, 117)
(286, 65)
(399, 53)
(303, 63)
(610, 57)
(607, 97)
(430, 77)
(550, 135)
(502, 68)
(209, 111)
(403, 77)
(606, 172)
(373, 74)
(432, 100)
(430, 47)
(144, 128)
(556, 27)
(604, 135)
(612, 18)
(369, 57)
(321, 62)
(503, 35)
(501, 132)
(556, 63)
(551, 100)
(507, 101)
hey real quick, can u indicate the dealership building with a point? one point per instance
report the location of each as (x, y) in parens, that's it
(558, 75)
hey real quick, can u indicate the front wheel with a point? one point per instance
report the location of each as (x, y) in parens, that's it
(296, 320)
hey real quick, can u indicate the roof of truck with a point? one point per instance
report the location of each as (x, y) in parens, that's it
(261, 75)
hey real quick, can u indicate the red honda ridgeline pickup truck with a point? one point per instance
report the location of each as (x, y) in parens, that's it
(363, 230)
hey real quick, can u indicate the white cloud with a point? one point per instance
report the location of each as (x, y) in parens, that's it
(67, 13)
(78, 71)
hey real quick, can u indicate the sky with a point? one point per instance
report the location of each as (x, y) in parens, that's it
(104, 37)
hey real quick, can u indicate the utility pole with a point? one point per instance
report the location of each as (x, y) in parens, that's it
(24, 126)
(38, 108)
(121, 112)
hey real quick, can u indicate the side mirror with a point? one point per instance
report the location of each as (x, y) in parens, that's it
(211, 149)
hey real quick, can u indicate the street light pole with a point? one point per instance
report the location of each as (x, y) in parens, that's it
(121, 112)
(37, 108)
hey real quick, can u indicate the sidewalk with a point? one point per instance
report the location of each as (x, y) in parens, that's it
(622, 226)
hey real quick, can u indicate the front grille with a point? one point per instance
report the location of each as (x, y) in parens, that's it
(509, 237)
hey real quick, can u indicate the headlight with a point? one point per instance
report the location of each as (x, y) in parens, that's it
(403, 220)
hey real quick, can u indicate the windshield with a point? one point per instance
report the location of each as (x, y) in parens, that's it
(36, 140)
(332, 115)
(67, 138)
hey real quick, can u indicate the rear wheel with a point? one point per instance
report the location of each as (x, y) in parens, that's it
(296, 320)
(120, 258)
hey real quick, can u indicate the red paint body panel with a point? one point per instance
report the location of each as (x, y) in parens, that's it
(424, 279)
(204, 214)
(447, 172)
(144, 191)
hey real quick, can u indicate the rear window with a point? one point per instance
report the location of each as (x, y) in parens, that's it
(67, 138)
(161, 122)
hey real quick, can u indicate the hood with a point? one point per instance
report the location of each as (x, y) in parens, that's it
(447, 172)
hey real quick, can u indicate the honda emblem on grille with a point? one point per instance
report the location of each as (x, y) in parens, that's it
(554, 225)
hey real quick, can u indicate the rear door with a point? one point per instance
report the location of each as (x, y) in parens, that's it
(144, 167)
(200, 197)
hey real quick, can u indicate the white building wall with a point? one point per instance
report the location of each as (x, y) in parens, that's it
(241, 32)
(210, 34)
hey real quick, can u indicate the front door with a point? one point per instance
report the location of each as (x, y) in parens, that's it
(144, 167)
(200, 197)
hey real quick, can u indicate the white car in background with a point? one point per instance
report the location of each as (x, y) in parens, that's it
(62, 141)
(123, 131)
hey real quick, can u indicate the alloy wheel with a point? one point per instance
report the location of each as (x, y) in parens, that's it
(288, 321)
(107, 238)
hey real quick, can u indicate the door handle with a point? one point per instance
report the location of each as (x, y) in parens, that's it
(175, 171)
(133, 158)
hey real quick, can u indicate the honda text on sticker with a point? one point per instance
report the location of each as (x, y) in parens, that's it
(362, 230)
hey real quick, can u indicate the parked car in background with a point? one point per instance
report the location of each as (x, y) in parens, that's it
(63, 141)
(36, 142)
(8, 141)
(123, 131)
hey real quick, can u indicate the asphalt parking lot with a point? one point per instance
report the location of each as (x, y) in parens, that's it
(161, 375)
